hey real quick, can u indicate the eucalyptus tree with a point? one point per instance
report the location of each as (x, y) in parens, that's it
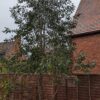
(44, 27)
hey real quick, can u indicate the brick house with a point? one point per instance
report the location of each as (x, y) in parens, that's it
(8, 49)
(87, 39)
(87, 32)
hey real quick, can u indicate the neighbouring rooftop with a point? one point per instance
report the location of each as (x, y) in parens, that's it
(89, 19)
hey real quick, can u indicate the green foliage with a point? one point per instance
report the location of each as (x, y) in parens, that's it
(6, 87)
(83, 64)
(44, 27)
(3, 66)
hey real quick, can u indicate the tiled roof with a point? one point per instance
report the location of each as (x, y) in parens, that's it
(89, 19)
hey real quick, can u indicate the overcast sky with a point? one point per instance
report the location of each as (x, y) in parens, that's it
(5, 16)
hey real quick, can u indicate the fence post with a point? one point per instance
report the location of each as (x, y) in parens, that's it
(89, 87)
(66, 89)
(77, 89)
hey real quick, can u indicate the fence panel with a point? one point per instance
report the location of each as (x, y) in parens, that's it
(72, 89)
(83, 87)
(95, 87)
(88, 88)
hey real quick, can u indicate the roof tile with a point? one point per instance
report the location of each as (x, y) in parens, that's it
(89, 19)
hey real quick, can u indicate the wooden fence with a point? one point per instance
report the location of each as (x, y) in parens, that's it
(24, 87)
(88, 88)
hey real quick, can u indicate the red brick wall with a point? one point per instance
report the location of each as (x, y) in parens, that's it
(90, 45)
